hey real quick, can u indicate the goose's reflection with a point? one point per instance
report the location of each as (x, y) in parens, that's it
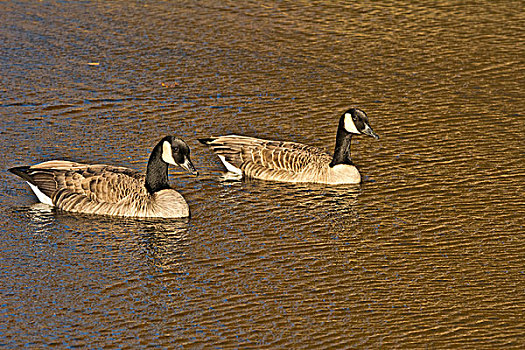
(230, 178)
(165, 242)
(160, 242)
(40, 213)
(336, 197)
(289, 206)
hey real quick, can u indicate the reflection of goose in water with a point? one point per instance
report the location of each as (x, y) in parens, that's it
(286, 206)
(165, 244)
(291, 161)
(110, 190)
(157, 242)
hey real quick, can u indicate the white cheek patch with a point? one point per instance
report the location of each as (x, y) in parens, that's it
(167, 154)
(349, 124)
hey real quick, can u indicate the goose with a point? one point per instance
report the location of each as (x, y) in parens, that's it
(113, 190)
(294, 162)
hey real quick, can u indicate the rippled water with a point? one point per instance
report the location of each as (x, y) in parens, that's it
(428, 252)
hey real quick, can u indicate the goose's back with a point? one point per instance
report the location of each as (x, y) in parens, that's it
(273, 160)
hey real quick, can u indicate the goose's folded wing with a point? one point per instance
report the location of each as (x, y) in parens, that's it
(265, 156)
(99, 183)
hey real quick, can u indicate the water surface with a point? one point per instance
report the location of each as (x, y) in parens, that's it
(428, 252)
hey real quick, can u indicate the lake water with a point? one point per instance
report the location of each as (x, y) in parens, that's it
(429, 252)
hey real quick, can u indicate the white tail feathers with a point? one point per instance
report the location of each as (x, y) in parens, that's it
(230, 167)
(41, 196)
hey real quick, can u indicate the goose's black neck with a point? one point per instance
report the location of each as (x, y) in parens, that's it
(157, 171)
(343, 141)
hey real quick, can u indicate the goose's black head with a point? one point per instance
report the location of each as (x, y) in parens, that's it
(175, 151)
(355, 121)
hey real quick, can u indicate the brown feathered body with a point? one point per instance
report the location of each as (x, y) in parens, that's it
(102, 189)
(280, 160)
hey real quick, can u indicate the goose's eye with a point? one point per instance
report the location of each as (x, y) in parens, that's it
(175, 149)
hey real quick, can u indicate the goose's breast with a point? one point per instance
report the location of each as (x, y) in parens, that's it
(343, 174)
(169, 204)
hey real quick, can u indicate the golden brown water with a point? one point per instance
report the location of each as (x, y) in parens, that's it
(428, 253)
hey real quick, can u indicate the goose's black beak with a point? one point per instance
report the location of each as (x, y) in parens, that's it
(188, 166)
(368, 131)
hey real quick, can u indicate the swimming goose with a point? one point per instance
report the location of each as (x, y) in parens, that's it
(291, 161)
(111, 190)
